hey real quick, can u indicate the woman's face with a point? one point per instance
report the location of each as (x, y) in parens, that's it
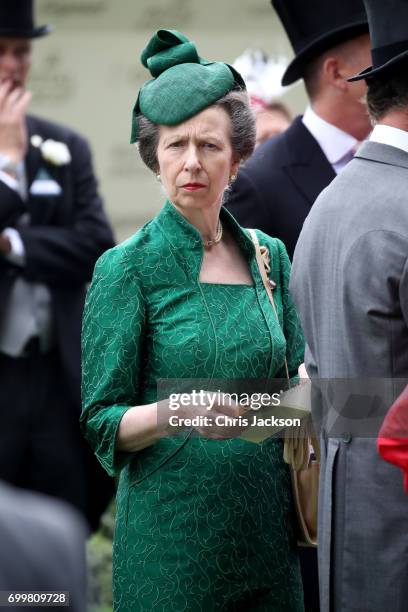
(195, 159)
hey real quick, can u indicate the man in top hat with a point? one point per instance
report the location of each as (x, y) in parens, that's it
(350, 284)
(52, 230)
(277, 187)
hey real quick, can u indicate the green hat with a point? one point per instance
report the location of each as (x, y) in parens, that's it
(183, 84)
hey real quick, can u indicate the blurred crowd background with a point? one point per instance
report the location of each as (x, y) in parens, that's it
(88, 76)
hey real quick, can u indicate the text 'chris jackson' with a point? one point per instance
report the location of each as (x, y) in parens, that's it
(215, 401)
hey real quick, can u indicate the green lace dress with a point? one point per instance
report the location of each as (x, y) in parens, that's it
(202, 525)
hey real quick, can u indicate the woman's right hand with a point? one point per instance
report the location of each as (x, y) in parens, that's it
(142, 426)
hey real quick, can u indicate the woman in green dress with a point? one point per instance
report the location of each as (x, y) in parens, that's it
(202, 523)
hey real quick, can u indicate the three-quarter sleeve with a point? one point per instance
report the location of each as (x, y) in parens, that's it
(112, 339)
(295, 343)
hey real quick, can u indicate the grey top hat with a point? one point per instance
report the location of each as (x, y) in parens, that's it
(388, 22)
(16, 20)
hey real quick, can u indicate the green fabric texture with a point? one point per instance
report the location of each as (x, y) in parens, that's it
(183, 84)
(201, 524)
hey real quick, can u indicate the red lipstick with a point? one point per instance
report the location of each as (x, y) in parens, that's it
(193, 186)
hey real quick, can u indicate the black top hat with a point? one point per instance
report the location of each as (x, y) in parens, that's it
(388, 21)
(16, 20)
(315, 26)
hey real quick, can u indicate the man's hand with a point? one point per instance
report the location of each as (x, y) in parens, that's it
(5, 245)
(13, 131)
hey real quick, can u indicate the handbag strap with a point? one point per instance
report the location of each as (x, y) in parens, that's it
(296, 448)
(268, 284)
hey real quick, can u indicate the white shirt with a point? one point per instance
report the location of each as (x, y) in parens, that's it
(28, 311)
(338, 146)
(9, 180)
(394, 137)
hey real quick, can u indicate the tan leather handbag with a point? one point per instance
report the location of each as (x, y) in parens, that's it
(301, 448)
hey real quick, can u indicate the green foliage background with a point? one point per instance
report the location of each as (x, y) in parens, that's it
(99, 558)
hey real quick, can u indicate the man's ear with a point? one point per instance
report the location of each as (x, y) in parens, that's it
(333, 73)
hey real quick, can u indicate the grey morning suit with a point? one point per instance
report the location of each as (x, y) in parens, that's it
(350, 284)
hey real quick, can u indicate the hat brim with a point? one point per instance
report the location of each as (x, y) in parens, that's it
(370, 72)
(32, 33)
(331, 39)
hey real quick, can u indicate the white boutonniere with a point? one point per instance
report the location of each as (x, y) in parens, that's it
(54, 152)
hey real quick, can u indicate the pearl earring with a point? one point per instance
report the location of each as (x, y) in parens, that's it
(158, 177)
(232, 178)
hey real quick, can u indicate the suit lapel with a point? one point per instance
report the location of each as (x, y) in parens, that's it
(33, 162)
(307, 165)
(41, 207)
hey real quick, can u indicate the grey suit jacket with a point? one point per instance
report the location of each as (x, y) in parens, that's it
(42, 546)
(350, 284)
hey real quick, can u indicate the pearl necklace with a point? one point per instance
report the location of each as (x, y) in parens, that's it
(217, 238)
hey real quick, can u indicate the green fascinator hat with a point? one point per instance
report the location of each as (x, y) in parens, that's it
(183, 84)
